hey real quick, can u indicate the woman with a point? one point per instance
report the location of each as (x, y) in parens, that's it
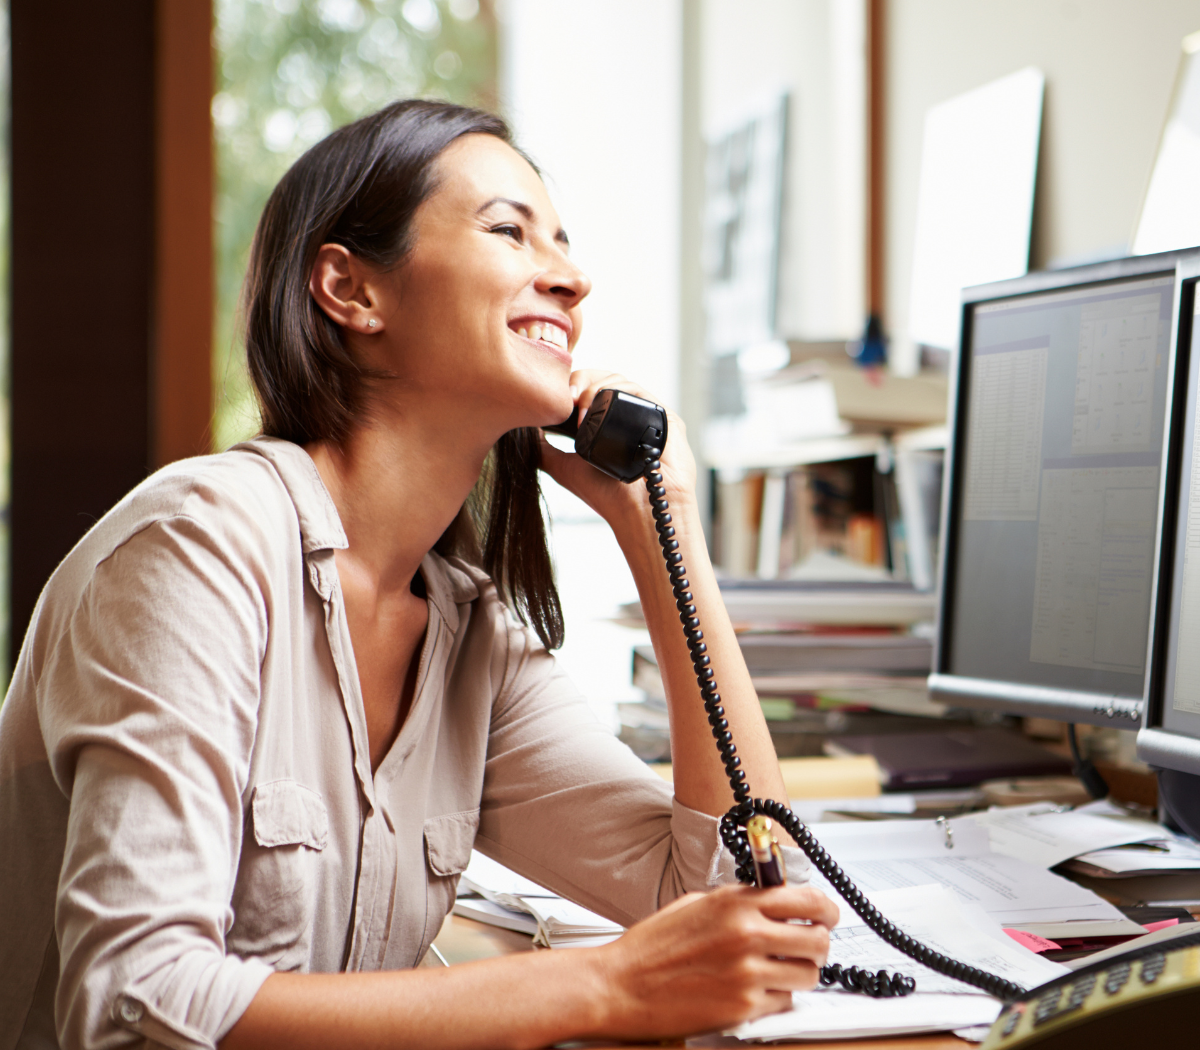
(269, 703)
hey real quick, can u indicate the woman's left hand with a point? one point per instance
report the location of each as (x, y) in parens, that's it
(613, 500)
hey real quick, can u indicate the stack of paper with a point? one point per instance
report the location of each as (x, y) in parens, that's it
(514, 902)
(884, 855)
(1045, 835)
(936, 917)
(563, 924)
(1139, 861)
(1164, 853)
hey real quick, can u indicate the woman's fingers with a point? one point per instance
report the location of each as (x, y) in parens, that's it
(590, 381)
(798, 902)
(795, 940)
(709, 961)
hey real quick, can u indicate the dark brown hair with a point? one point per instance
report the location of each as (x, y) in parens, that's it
(360, 187)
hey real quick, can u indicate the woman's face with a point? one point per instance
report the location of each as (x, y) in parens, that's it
(486, 308)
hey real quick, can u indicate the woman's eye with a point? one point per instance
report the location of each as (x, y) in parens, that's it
(508, 230)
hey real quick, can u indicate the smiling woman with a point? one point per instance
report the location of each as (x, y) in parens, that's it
(271, 701)
(348, 209)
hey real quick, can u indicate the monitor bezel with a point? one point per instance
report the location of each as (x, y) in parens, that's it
(1016, 698)
(1157, 745)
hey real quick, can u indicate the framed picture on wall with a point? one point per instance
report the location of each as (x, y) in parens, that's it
(744, 172)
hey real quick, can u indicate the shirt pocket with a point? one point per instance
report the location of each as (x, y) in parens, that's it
(448, 842)
(274, 899)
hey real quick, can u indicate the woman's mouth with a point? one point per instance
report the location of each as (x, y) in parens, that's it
(547, 335)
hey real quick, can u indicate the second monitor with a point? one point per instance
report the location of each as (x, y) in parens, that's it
(1051, 509)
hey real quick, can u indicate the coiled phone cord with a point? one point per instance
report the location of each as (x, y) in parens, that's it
(732, 824)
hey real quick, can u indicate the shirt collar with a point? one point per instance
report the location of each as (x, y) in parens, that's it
(320, 525)
(448, 582)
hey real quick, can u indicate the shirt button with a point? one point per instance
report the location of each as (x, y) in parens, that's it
(131, 1011)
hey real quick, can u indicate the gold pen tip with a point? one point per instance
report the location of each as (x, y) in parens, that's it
(758, 831)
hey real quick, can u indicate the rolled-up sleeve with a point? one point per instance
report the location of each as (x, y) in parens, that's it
(567, 804)
(149, 722)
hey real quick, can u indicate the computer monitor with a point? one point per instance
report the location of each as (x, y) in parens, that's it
(1051, 506)
(1170, 737)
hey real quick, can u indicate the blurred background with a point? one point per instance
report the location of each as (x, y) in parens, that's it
(753, 186)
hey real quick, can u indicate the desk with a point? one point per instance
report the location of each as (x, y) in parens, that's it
(464, 940)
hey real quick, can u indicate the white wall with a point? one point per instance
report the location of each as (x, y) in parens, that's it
(816, 50)
(1109, 68)
(593, 92)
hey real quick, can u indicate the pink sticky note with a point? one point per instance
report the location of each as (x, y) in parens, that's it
(1033, 942)
(1161, 925)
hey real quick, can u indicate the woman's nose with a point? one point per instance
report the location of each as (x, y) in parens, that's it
(566, 281)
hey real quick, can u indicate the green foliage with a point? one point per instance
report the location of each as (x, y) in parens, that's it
(288, 72)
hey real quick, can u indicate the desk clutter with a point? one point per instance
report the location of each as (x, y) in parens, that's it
(841, 670)
(1000, 888)
(490, 893)
(828, 659)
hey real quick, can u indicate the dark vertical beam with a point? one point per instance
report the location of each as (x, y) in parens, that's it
(183, 313)
(82, 274)
(86, 329)
(876, 155)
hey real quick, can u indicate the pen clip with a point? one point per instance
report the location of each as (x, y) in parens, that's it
(944, 823)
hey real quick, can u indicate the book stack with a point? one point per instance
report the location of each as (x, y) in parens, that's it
(825, 659)
(490, 893)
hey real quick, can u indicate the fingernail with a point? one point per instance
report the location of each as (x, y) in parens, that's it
(574, 393)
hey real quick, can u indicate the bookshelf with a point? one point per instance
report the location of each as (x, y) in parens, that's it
(829, 471)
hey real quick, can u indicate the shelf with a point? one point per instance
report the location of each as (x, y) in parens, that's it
(922, 439)
(815, 450)
(828, 450)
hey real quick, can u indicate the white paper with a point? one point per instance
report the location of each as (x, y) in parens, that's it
(813, 810)
(1047, 839)
(490, 878)
(495, 915)
(554, 921)
(888, 855)
(931, 914)
(848, 1015)
(1168, 854)
(975, 198)
(564, 917)
(1171, 211)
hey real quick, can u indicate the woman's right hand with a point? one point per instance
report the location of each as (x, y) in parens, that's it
(711, 961)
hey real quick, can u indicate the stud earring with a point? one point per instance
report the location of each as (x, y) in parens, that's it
(372, 323)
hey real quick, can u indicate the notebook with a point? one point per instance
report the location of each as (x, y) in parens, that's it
(951, 758)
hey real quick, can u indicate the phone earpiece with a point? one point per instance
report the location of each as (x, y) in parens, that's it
(614, 431)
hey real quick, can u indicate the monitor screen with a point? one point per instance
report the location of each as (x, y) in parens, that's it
(1177, 709)
(1060, 428)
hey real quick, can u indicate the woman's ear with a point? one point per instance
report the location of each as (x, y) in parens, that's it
(342, 288)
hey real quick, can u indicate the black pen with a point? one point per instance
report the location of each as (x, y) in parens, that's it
(768, 861)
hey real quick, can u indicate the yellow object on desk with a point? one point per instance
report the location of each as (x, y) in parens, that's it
(850, 776)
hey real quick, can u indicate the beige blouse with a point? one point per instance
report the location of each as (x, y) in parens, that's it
(186, 795)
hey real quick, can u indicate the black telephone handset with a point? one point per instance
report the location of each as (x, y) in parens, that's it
(613, 432)
(623, 436)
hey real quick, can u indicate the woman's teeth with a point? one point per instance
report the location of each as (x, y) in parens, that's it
(548, 333)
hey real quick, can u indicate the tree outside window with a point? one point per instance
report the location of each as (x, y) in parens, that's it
(289, 72)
